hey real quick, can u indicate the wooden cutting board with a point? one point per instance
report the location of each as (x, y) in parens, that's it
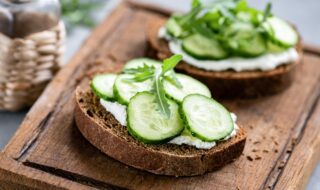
(282, 149)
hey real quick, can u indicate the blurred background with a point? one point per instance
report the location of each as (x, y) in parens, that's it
(80, 16)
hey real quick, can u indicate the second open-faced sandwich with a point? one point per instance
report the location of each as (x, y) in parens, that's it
(151, 118)
(236, 50)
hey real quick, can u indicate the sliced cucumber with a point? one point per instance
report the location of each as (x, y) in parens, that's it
(244, 40)
(139, 62)
(147, 124)
(125, 90)
(252, 47)
(173, 27)
(280, 32)
(202, 47)
(274, 48)
(205, 118)
(189, 86)
(102, 85)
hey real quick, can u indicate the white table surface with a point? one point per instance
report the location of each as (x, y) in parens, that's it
(304, 14)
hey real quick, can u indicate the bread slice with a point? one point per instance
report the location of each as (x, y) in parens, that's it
(102, 130)
(228, 84)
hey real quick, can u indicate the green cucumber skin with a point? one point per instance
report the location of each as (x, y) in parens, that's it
(144, 140)
(195, 134)
(118, 97)
(251, 55)
(203, 57)
(273, 39)
(174, 99)
(100, 95)
(180, 102)
(148, 141)
(278, 43)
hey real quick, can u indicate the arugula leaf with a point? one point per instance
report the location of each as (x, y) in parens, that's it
(146, 72)
(195, 3)
(161, 99)
(170, 63)
(142, 69)
(173, 80)
(267, 11)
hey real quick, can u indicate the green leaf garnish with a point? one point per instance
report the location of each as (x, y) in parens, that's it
(147, 72)
(140, 74)
(267, 11)
(212, 19)
(161, 99)
(173, 80)
(144, 68)
(170, 63)
(196, 3)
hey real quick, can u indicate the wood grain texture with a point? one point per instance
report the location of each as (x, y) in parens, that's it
(49, 143)
(18, 176)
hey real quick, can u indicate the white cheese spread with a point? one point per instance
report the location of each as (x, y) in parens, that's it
(268, 61)
(187, 139)
(120, 113)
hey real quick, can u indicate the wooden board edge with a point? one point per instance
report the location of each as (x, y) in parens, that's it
(297, 133)
(311, 49)
(14, 174)
(303, 159)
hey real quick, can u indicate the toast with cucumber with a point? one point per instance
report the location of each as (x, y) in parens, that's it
(154, 119)
(236, 50)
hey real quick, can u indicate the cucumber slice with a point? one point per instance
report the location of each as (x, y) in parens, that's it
(202, 47)
(190, 86)
(280, 32)
(252, 47)
(149, 125)
(274, 48)
(124, 90)
(139, 62)
(244, 40)
(205, 118)
(102, 85)
(173, 28)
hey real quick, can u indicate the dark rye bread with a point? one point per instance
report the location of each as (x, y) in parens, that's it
(102, 130)
(228, 84)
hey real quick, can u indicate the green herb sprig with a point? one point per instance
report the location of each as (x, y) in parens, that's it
(213, 18)
(78, 12)
(158, 74)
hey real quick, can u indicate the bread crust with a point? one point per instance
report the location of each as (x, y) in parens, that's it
(229, 84)
(152, 158)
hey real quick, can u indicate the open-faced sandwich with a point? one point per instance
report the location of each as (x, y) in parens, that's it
(151, 118)
(236, 50)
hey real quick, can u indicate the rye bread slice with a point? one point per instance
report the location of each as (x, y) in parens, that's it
(228, 84)
(103, 131)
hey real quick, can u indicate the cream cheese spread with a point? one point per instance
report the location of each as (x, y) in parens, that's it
(187, 139)
(266, 62)
(120, 113)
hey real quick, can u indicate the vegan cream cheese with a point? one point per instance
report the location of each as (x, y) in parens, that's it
(120, 113)
(265, 62)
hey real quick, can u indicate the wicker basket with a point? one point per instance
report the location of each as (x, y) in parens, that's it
(27, 65)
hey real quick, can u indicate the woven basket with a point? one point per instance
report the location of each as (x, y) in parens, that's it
(27, 65)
